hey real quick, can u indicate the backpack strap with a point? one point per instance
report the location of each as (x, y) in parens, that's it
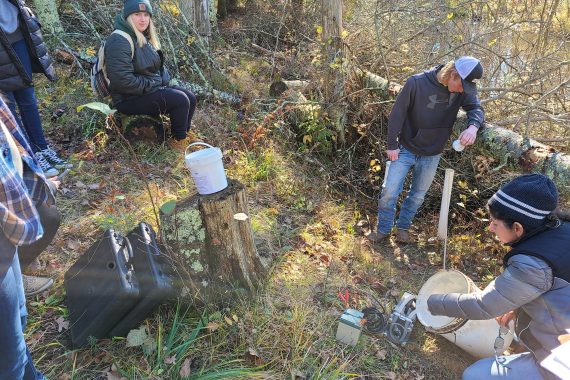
(128, 37)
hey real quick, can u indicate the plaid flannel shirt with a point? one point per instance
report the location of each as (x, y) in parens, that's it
(18, 196)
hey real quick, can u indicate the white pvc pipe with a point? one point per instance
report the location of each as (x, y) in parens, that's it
(445, 199)
(386, 173)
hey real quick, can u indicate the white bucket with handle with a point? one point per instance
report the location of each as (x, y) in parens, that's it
(207, 168)
(475, 337)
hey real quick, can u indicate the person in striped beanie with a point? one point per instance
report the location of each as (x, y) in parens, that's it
(523, 205)
(534, 289)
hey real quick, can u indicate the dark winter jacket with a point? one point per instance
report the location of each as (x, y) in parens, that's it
(13, 76)
(424, 113)
(535, 281)
(131, 75)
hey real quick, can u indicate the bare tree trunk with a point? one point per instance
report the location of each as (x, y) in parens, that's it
(187, 9)
(47, 13)
(222, 9)
(334, 53)
(202, 18)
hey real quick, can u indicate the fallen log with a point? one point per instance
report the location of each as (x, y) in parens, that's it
(203, 92)
(211, 240)
(530, 155)
(302, 110)
(268, 52)
(373, 82)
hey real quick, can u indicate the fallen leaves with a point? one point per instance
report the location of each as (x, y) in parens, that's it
(62, 324)
(185, 370)
(212, 326)
(254, 358)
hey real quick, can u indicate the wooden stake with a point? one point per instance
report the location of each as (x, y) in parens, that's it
(445, 199)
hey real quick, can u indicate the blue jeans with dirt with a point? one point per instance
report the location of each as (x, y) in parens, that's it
(15, 360)
(423, 172)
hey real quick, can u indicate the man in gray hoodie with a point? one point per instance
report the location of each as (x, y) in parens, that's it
(419, 126)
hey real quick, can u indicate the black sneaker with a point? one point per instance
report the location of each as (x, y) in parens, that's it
(54, 159)
(49, 171)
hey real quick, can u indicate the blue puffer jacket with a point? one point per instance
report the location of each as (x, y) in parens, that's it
(13, 77)
(535, 281)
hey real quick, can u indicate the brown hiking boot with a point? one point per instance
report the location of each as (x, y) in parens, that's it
(377, 237)
(404, 237)
(181, 145)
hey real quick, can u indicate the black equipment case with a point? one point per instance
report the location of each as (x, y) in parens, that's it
(101, 288)
(153, 274)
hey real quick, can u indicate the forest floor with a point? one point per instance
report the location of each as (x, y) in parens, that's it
(309, 233)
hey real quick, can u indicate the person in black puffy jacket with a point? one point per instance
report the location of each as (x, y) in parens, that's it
(22, 51)
(138, 79)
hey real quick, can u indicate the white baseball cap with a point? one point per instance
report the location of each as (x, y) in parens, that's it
(469, 68)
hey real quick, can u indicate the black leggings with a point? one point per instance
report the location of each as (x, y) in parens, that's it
(177, 102)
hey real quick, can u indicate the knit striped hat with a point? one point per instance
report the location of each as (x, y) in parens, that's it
(527, 199)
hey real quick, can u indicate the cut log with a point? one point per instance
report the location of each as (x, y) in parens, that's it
(184, 235)
(301, 109)
(211, 240)
(376, 83)
(232, 255)
(280, 86)
(141, 127)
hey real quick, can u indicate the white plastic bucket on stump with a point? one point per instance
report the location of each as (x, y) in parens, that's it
(207, 168)
(475, 337)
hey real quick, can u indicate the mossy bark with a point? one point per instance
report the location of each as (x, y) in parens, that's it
(528, 154)
(184, 236)
(49, 17)
(211, 240)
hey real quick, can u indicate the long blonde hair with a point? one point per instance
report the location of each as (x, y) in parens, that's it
(141, 39)
(447, 72)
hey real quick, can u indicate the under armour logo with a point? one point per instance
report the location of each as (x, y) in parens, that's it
(433, 100)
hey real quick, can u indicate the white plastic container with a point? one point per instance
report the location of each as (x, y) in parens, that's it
(207, 168)
(475, 337)
(349, 328)
(458, 146)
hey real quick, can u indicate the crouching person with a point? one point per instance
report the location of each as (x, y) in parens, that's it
(534, 288)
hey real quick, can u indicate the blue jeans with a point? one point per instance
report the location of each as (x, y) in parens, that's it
(15, 360)
(27, 103)
(424, 168)
(515, 367)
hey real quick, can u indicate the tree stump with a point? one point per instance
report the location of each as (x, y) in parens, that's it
(211, 240)
(141, 128)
